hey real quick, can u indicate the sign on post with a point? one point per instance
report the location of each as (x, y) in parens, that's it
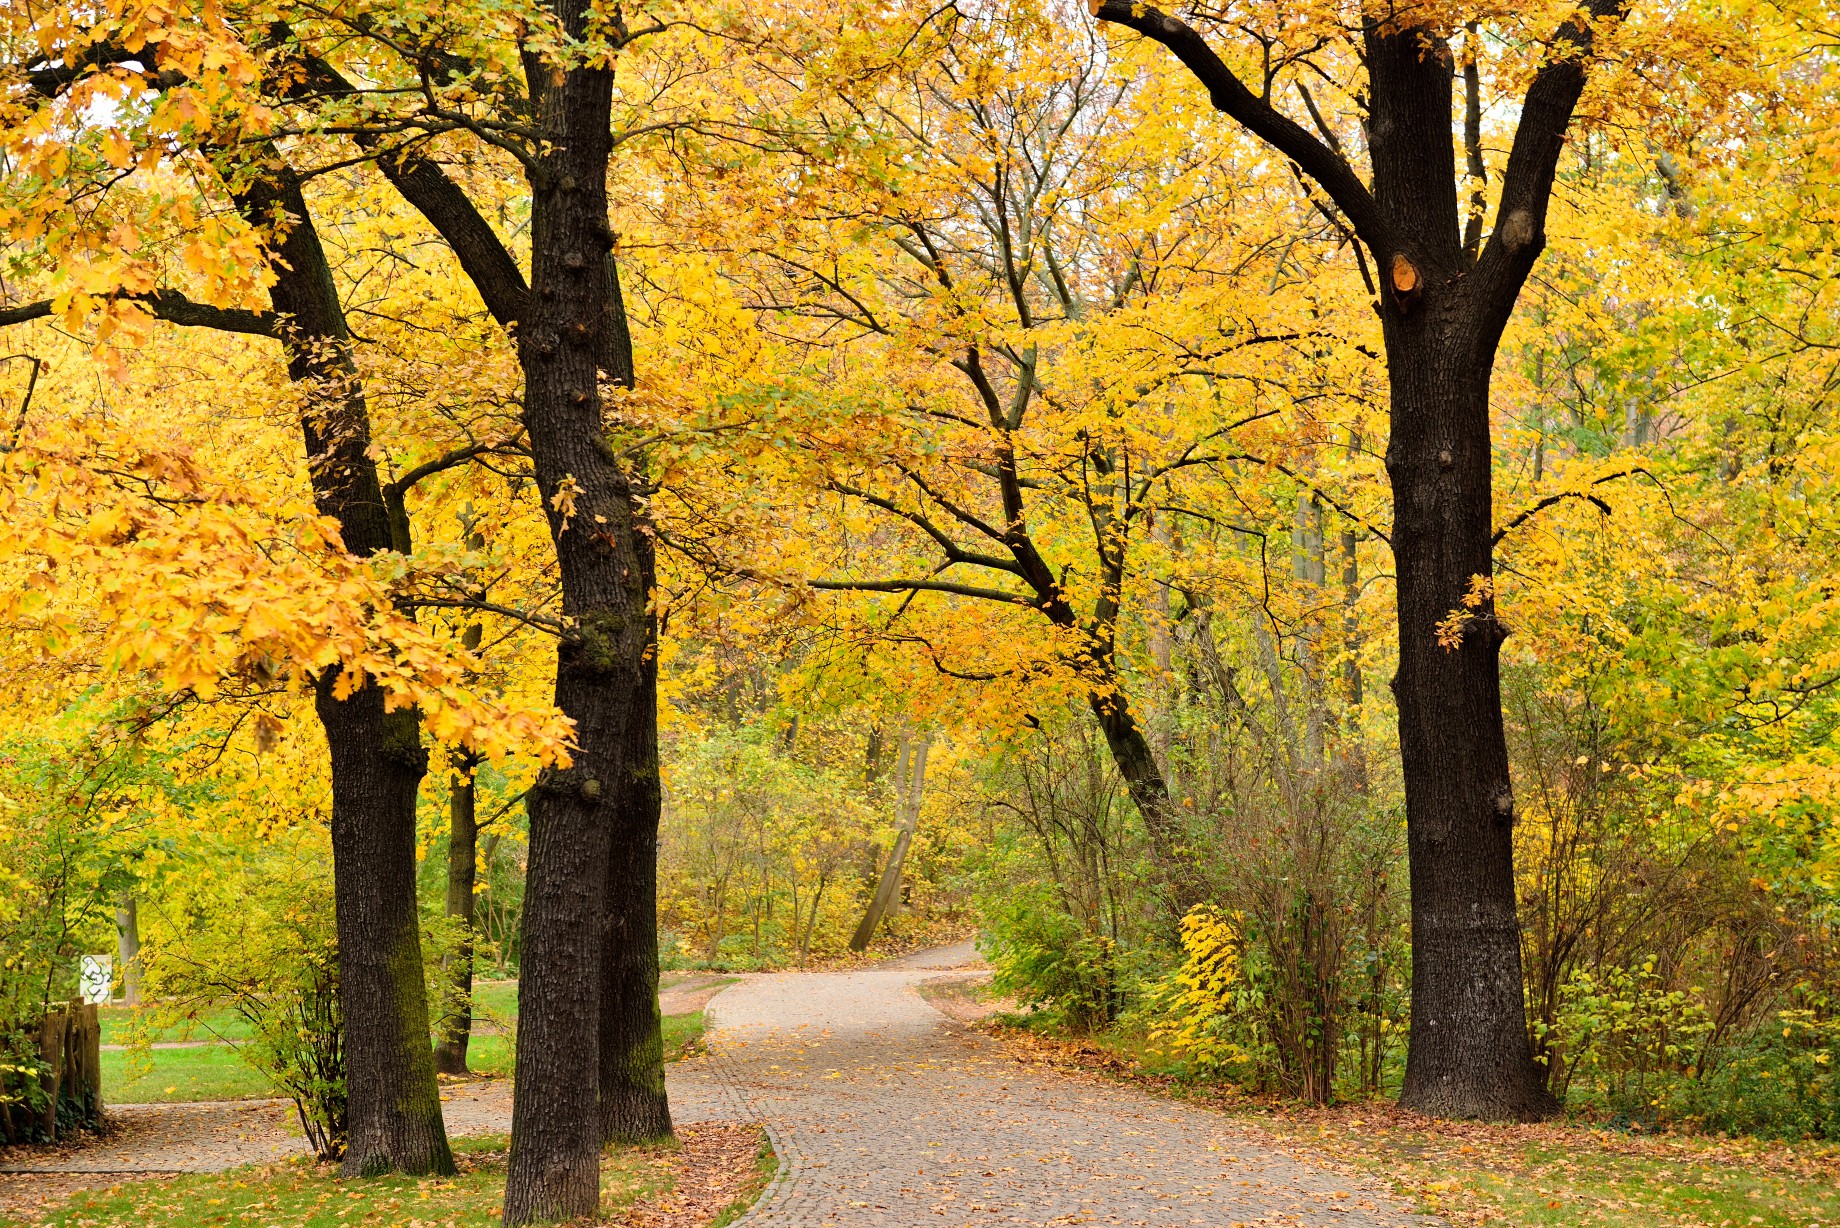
(96, 978)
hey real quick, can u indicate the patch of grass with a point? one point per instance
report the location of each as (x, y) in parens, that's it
(491, 1053)
(683, 1035)
(162, 1076)
(218, 1072)
(127, 1025)
(304, 1195)
(1557, 1175)
(495, 999)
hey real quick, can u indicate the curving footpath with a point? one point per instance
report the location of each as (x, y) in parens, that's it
(885, 1113)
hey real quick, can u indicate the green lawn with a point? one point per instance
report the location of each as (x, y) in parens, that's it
(126, 1025)
(304, 1195)
(213, 1072)
(216, 1072)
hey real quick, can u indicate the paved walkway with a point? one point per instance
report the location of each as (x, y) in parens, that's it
(887, 1115)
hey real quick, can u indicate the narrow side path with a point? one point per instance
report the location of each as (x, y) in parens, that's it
(887, 1114)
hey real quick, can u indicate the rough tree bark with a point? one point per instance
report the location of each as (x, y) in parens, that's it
(590, 830)
(1443, 305)
(377, 760)
(634, 1107)
(377, 756)
(556, 1123)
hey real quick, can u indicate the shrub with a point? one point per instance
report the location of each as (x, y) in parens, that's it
(264, 943)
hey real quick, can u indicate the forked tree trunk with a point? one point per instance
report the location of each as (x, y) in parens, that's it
(377, 757)
(910, 786)
(1445, 295)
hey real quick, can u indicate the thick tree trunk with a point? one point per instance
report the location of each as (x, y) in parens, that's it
(556, 1122)
(1444, 300)
(1469, 1054)
(634, 1107)
(456, 1028)
(376, 756)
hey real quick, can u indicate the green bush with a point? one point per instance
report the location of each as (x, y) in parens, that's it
(1047, 961)
(263, 943)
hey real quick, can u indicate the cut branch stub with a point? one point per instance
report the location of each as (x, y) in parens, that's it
(1406, 282)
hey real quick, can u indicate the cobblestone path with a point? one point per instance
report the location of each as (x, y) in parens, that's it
(886, 1114)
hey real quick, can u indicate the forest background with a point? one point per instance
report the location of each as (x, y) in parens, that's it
(926, 304)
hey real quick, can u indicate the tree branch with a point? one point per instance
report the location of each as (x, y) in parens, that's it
(482, 254)
(1258, 116)
(1523, 517)
(1533, 161)
(174, 308)
(925, 586)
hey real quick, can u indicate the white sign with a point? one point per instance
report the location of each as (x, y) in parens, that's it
(96, 977)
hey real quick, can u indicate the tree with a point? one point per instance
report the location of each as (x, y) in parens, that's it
(377, 759)
(1445, 297)
(1012, 268)
(569, 329)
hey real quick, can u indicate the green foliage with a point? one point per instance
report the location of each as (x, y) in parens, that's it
(1045, 960)
(74, 814)
(262, 942)
(1637, 1051)
(765, 856)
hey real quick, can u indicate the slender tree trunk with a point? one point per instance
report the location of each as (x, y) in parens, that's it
(456, 1026)
(634, 1107)
(554, 1170)
(377, 758)
(1469, 1055)
(1143, 779)
(909, 788)
(128, 945)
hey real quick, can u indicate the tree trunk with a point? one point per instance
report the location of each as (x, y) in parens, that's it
(1443, 303)
(377, 759)
(634, 1107)
(128, 946)
(1143, 778)
(456, 1027)
(909, 786)
(554, 1170)
(1469, 1054)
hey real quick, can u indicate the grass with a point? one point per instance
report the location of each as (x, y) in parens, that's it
(159, 1076)
(1565, 1174)
(305, 1195)
(216, 1072)
(1551, 1175)
(126, 1025)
